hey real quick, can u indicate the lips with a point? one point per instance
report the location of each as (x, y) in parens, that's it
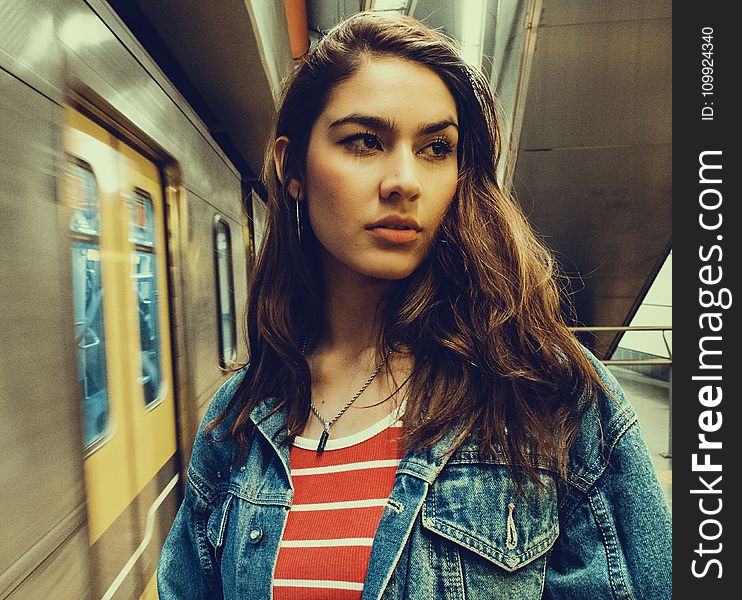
(395, 229)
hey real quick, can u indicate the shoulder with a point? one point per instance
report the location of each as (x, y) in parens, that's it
(213, 450)
(606, 419)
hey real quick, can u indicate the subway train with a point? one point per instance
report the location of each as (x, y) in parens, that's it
(127, 241)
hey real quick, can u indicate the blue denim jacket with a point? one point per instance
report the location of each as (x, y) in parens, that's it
(453, 527)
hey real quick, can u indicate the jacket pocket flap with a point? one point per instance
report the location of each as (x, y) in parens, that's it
(217, 523)
(479, 508)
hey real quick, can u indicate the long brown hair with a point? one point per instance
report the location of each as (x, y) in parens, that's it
(481, 317)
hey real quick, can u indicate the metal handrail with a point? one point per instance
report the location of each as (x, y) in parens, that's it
(627, 361)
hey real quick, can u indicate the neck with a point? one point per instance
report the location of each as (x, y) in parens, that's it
(352, 309)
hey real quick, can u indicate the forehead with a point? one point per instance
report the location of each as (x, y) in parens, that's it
(398, 89)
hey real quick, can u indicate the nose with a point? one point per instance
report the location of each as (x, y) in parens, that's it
(400, 180)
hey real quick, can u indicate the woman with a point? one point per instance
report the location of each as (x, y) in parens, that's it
(416, 421)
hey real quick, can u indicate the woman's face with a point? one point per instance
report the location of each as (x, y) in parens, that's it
(381, 169)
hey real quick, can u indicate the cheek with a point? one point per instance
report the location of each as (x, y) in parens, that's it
(324, 181)
(447, 194)
(325, 199)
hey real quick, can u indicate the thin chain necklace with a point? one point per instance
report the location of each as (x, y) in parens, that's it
(327, 424)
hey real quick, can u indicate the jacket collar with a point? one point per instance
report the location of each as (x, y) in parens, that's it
(269, 423)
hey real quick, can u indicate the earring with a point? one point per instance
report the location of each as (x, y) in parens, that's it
(298, 221)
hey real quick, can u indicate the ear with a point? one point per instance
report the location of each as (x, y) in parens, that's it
(279, 155)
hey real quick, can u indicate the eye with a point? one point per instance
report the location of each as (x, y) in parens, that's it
(363, 143)
(438, 149)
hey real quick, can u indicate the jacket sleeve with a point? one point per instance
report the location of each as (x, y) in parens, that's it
(187, 567)
(615, 539)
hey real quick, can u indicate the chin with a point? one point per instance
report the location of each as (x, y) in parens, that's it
(391, 272)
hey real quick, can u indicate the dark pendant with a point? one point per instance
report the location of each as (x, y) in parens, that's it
(323, 441)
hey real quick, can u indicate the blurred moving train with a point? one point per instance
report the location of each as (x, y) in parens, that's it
(125, 254)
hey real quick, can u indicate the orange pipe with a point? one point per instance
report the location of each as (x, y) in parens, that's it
(296, 15)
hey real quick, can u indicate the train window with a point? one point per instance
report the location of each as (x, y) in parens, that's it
(144, 281)
(225, 292)
(87, 291)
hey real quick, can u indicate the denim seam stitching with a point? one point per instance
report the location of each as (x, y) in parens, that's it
(204, 490)
(452, 559)
(573, 500)
(616, 574)
(262, 500)
(202, 541)
(398, 554)
(275, 554)
(617, 432)
(596, 470)
(223, 520)
(543, 572)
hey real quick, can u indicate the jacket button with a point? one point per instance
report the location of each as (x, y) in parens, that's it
(256, 535)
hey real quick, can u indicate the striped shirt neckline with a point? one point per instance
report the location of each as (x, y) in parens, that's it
(390, 420)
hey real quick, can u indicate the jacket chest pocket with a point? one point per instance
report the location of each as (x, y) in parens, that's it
(485, 539)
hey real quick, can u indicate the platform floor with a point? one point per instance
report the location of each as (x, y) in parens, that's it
(651, 399)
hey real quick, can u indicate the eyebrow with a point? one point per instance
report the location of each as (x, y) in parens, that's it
(383, 124)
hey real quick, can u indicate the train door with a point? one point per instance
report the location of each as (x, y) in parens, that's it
(119, 266)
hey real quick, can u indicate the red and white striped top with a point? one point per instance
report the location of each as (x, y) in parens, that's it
(339, 497)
